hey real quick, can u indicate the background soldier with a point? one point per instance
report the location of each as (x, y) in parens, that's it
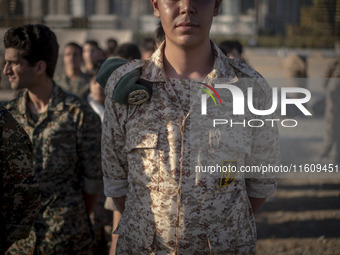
(66, 143)
(73, 79)
(332, 113)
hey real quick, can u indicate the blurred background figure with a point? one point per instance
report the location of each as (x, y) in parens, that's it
(101, 218)
(128, 51)
(96, 97)
(111, 45)
(232, 49)
(91, 54)
(159, 35)
(73, 79)
(295, 70)
(147, 47)
(332, 113)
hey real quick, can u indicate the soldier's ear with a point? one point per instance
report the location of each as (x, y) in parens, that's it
(41, 67)
(156, 12)
(217, 7)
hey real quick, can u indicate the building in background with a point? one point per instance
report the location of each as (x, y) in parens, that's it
(237, 17)
(125, 18)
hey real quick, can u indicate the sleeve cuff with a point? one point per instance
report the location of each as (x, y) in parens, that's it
(115, 188)
(92, 186)
(260, 190)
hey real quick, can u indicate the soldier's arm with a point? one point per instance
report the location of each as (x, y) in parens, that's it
(89, 146)
(114, 161)
(265, 151)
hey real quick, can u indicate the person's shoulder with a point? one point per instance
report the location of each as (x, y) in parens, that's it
(12, 104)
(248, 75)
(67, 97)
(11, 126)
(243, 70)
(72, 102)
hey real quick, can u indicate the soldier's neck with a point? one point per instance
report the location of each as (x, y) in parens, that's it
(39, 97)
(188, 63)
(72, 73)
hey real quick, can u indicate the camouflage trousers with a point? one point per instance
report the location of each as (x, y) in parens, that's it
(125, 246)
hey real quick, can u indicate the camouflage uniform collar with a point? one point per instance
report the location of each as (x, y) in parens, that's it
(53, 105)
(222, 71)
(153, 74)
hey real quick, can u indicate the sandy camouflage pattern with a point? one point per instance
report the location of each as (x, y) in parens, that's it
(66, 146)
(79, 86)
(19, 190)
(148, 153)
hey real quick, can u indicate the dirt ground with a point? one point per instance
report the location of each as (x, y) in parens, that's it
(303, 218)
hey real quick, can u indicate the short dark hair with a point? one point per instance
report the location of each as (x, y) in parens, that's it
(37, 42)
(112, 40)
(93, 43)
(128, 51)
(75, 45)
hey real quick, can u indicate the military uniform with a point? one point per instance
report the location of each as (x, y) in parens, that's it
(19, 190)
(66, 146)
(332, 113)
(148, 156)
(79, 86)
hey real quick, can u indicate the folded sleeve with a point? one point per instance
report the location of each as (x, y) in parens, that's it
(265, 148)
(114, 160)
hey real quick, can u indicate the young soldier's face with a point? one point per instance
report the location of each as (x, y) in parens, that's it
(186, 23)
(20, 73)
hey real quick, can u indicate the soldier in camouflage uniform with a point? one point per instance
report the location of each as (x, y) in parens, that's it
(167, 207)
(19, 190)
(73, 79)
(66, 144)
(332, 113)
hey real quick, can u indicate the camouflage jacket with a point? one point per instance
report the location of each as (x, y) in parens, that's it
(150, 152)
(66, 147)
(79, 87)
(19, 190)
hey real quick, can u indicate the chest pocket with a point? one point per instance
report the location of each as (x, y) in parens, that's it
(143, 157)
